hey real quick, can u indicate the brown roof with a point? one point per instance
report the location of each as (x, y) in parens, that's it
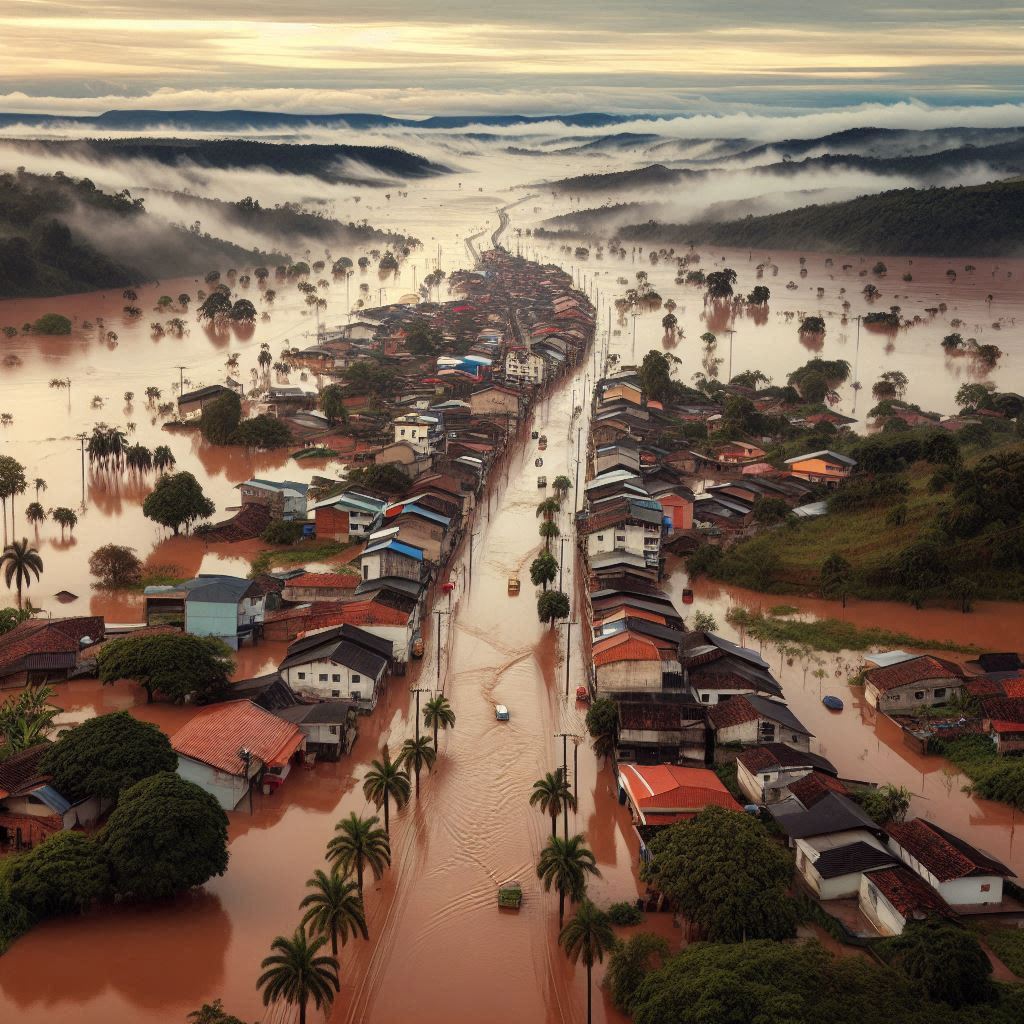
(47, 636)
(327, 580)
(917, 670)
(781, 755)
(217, 734)
(625, 646)
(21, 769)
(811, 788)
(943, 854)
(913, 898)
(1006, 709)
(734, 711)
(644, 715)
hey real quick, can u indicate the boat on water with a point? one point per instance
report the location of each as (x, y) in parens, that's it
(832, 703)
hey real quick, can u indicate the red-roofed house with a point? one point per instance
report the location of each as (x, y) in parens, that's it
(664, 794)
(226, 748)
(321, 586)
(766, 773)
(917, 682)
(630, 661)
(893, 896)
(960, 873)
(45, 650)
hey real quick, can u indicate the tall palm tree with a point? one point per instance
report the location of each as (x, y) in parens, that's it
(565, 864)
(438, 714)
(40, 485)
(35, 513)
(295, 973)
(334, 907)
(387, 780)
(549, 508)
(163, 458)
(20, 562)
(587, 937)
(549, 530)
(551, 794)
(139, 458)
(417, 754)
(358, 844)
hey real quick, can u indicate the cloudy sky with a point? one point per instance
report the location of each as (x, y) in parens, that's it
(466, 56)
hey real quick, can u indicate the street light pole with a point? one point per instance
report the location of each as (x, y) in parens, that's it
(561, 560)
(418, 690)
(730, 332)
(82, 438)
(568, 648)
(439, 614)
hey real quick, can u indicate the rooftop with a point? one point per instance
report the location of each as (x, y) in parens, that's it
(943, 854)
(913, 898)
(780, 755)
(852, 858)
(326, 580)
(916, 670)
(749, 707)
(825, 453)
(671, 789)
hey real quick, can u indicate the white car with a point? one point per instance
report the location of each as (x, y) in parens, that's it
(501, 713)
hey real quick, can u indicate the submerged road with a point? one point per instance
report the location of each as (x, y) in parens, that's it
(440, 949)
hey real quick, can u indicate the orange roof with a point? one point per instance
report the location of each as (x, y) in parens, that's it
(218, 733)
(328, 580)
(359, 613)
(668, 789)
(633, 613)
(625, 646)
(1014, 687)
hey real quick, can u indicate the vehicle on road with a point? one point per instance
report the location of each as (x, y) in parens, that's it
(417, 646)
(535, 435)
(501, 712)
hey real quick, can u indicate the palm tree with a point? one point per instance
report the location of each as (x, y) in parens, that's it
(438, 713)
(549, 530)
(387, 780)
(334, 907)
(40, 485)
(35, 513)
(549, 508)
(139, 458)
(20, 562)
(565, 864)
(551, 794)
(417, 753)
(587, 937)
(359, 843)
(163, 458)
(66, 517)
(561, 484)
(295, 973)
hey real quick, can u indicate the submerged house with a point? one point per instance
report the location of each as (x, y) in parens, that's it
(913, 682)
(227, 607)
(227, 748)
(45, 650)
(751, 719)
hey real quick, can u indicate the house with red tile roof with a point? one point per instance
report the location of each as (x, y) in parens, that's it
(227, 748)
(632, 660)
(753, 720)
(766, 773)
(322, 586)
(45, 650)
(659, 795)
(960, 873)
(892, 897)
(916, 682)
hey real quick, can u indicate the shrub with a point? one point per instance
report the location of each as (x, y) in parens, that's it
(282, 531)
(115, 565)
(52, 323)
(624, 914)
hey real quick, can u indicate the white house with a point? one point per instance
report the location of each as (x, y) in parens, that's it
(960, 873)
(832, 865)
(891, 897)
(524, 366)
(629, 525)
(416, 429)
(227, 746)
(751, 719)
(344, 662)
(765, 773)
(912, 683)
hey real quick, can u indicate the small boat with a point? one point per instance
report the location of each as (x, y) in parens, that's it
(832, 703)
(501, 713)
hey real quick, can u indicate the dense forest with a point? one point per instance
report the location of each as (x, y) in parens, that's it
(56, 234)
(326, 162)
(981, 220)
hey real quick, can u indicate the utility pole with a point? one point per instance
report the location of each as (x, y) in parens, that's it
(568, 638)
(561, 560)
(181, 380)
(439, 614)
(856, 360)
(730, 332)
(82, 438)
(575, 497)
(470, 581)
(418, 690)
(566, 736)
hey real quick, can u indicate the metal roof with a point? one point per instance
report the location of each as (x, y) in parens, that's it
(396, 545)
(824, 453)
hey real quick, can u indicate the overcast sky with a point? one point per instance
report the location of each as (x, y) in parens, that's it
(470, 56)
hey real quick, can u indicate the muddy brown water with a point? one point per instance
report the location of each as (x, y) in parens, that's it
(439, 948)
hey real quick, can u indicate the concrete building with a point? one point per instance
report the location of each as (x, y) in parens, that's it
(392, 557)
(226, 607)
(913, 682)
(346, 516)
(286, 499)
(344, 662)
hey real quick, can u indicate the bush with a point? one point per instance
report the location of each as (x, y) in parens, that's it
(283, 532)
(115, 565)
(630, 963)
(624, 914)
(62, 875)
(219, 420)
(262, 431)
(51, 324)
(704, 560)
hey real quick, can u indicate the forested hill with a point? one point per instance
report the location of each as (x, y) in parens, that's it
(58, 235)
(980, 220)
(330, 163)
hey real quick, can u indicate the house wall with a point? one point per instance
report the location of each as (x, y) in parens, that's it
(272, 499)
(679, 509)
(421, 534)
(302, 594)
(33, 829)
(750, 733)
(958, 891)
(207, 618)
(415, 434)
(339, 681)
(819, 469)
(402, 454)
(808, 850)
(227, 789)
(400, 637)
(713, 697)
(931, 691)
(389, 563)
(331, 523)
(87, 812)
(628, 675)
(626, 537)
(878, 910)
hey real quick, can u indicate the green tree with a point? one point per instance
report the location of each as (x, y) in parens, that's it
(242, 311)
(35, 513)
(543, 570)
(64, 875)
(332, 404)
(387, 780)
(359, 843)
(115, 565)
(176, 665)
(212, 1013)
(295, 973)
(220, 418)
(105, 755)
(947, 961)
(216, 306)
(52, 324)
(549, 508)
(726, 875)
(438, 714)
(769, 510)
(812, 325)
(565, 864)
(177, 500)
(20, 562)
(603, 726)
(887, 803)
(630, 963)
(552, 794)
(705, 622)
(655, 375)
(834, 577)
(334, 908)
(417, 754)
(552, 605)
(165, 835)
(561, 484)
(549, 531)
(587, 937)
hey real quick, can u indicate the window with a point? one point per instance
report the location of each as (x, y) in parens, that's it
(766, 778)
(705, 698)
(336, 677)
(894, 698)
(919, 695)
(600, 536)
(333, 730)
(302, 675)
(795, 739)
(355, 679)
(356, 695)
(323, 677)
(366, 572)
(335, 693)
(940, 693)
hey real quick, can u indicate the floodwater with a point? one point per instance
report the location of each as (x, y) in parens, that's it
(439, 948)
